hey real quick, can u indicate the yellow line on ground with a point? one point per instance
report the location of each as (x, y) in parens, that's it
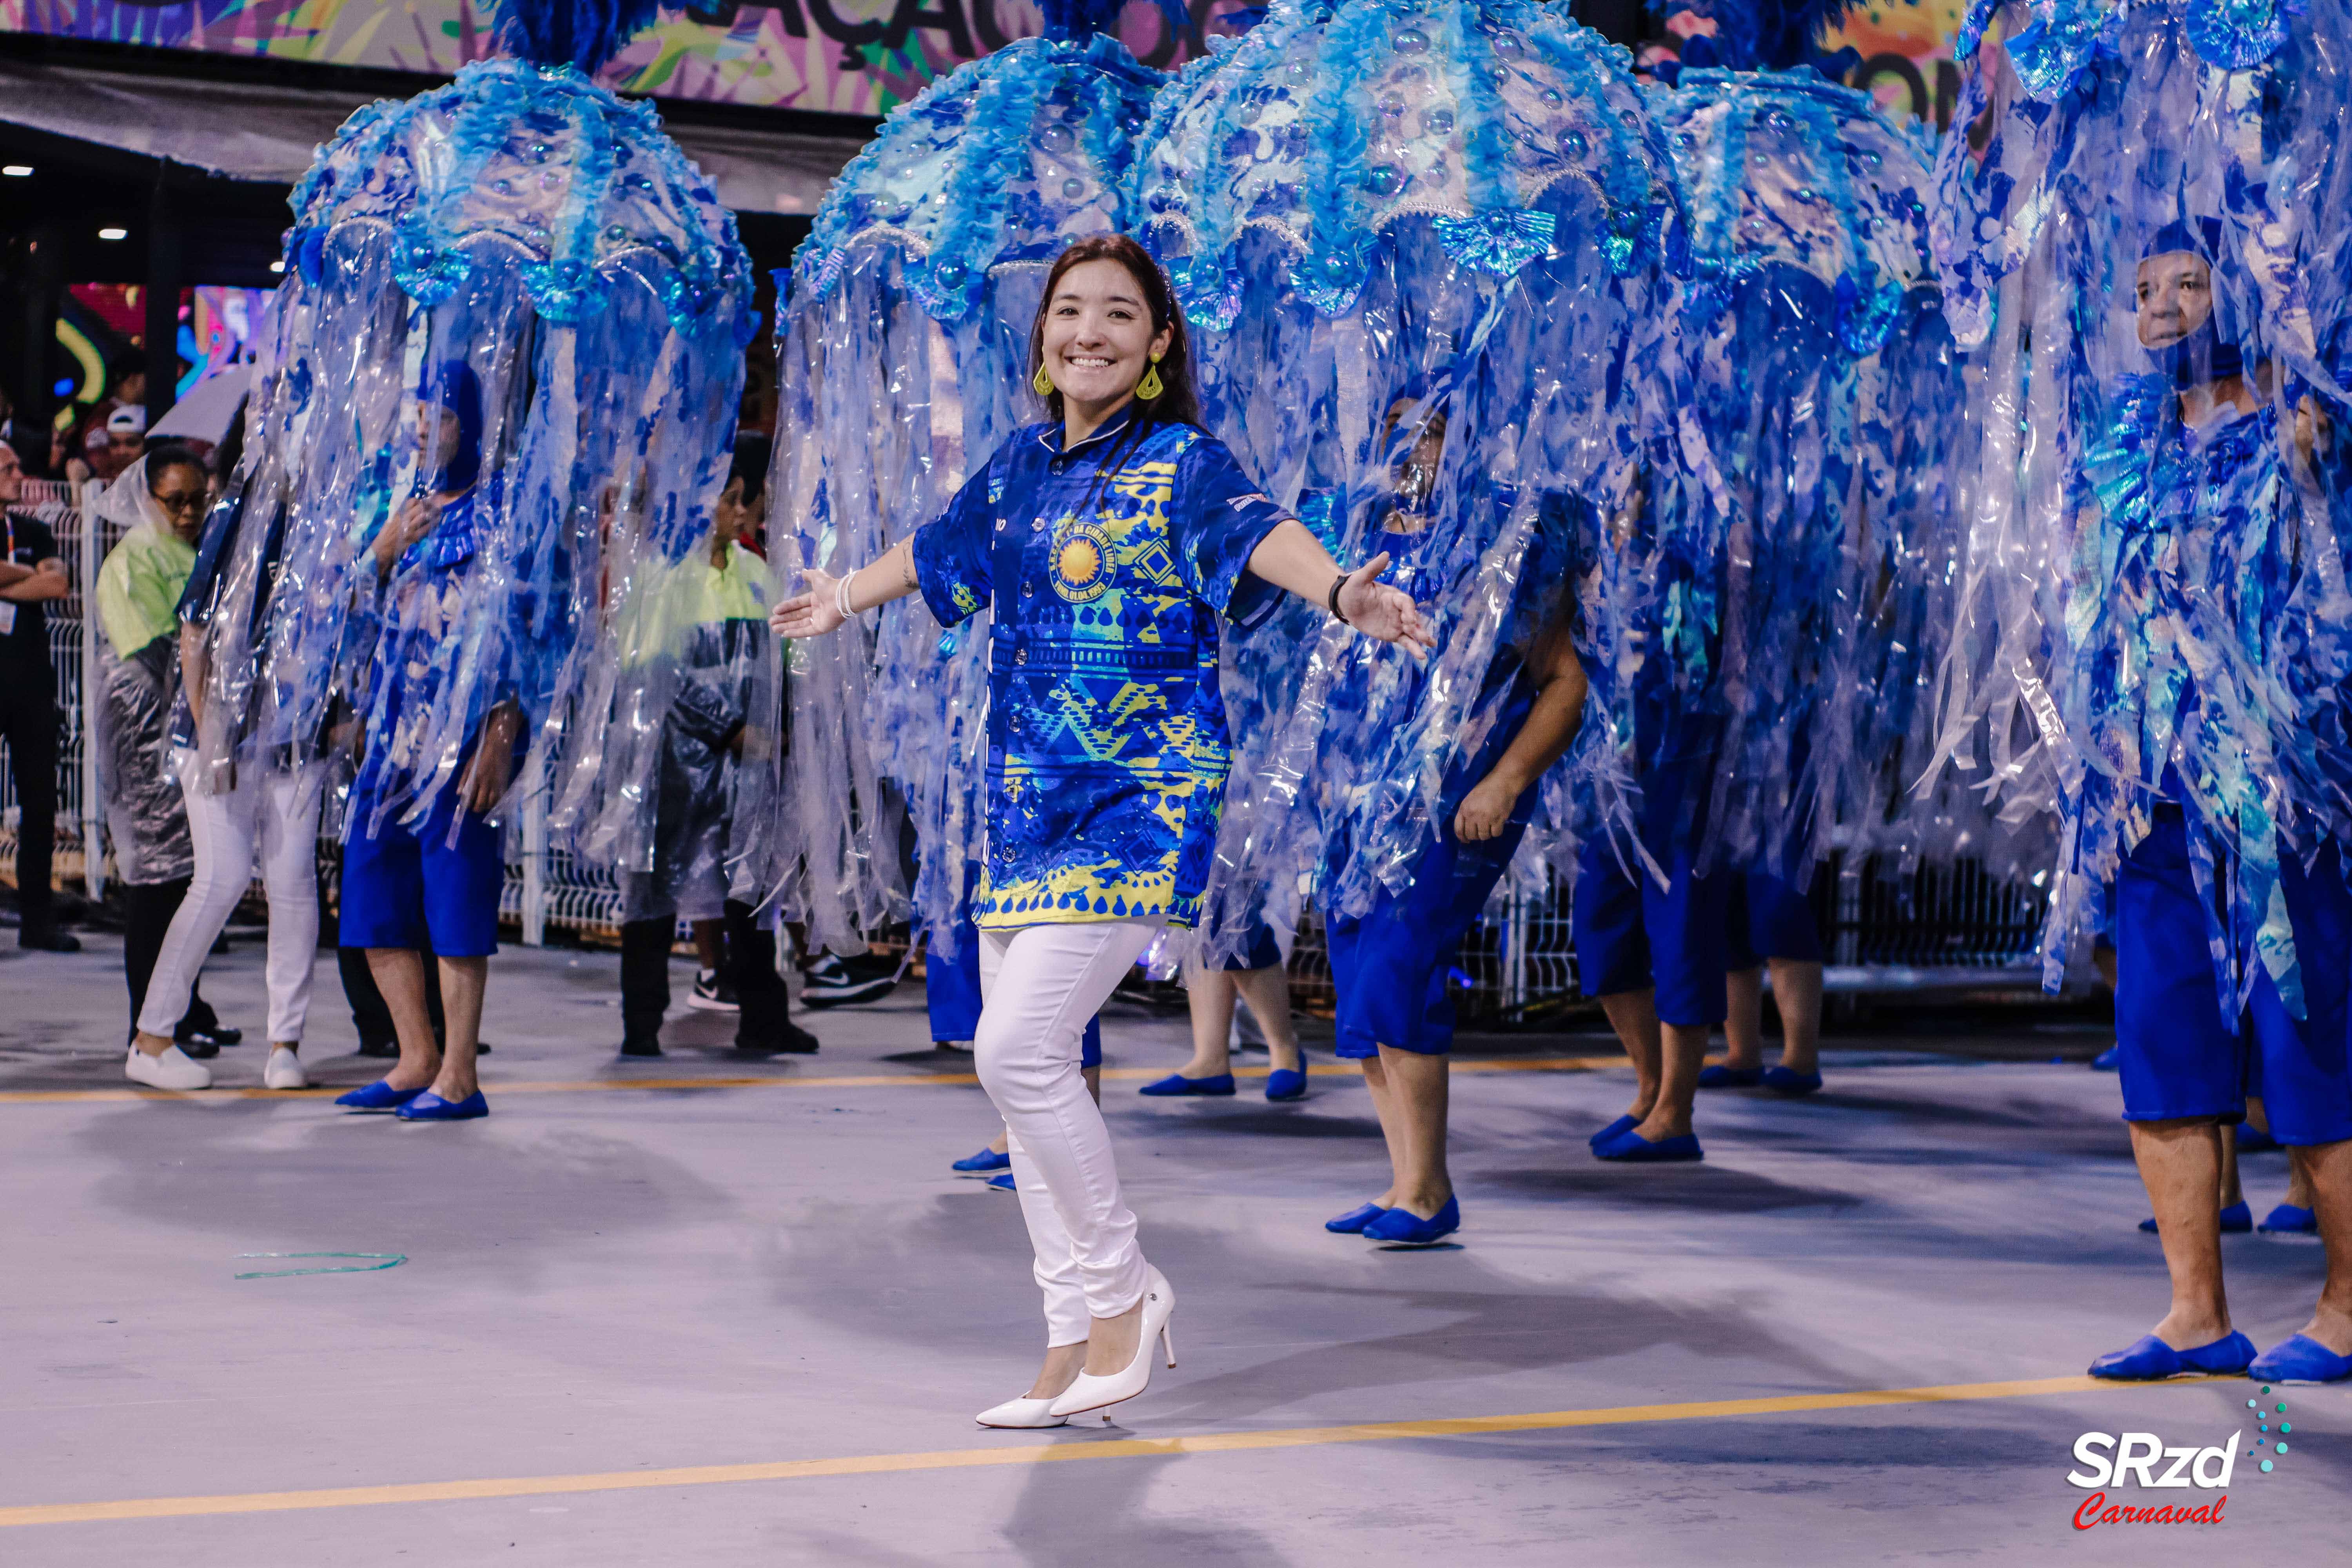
(865, 1080)
(970, 1459)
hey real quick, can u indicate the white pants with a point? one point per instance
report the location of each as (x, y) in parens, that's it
(276, 815)
(1038, 986)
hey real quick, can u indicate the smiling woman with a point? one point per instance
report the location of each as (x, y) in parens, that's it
(1111, 541)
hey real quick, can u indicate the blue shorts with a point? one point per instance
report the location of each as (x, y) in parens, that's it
(407, 886)
(1264, 951)
(951, 992)
(2178, 1056)
(1769, 919)
(1633, 935)
(1388, 965)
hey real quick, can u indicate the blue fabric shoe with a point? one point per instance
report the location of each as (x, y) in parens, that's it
(1283, 1083)
(2288, 1220)
(1353, 1222)
(1403, 1227)
(2236, 1220)
(2300, 1360)
(2253, 1139)
(1003, 1182)
(1787, 1080)
(2109, 1060)
(986, 1159)
(1177, 1083)
(1722, 1077)
(1624, 1124)
(430, 1107)
(378, 1096)
(2148, 1358)
(1630, 1145)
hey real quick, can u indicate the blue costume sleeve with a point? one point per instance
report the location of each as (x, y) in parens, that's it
(214, 548)
(952, 554)
(1221, 516)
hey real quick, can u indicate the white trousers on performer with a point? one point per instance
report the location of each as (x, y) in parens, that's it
(1039, 986)
(275, 816)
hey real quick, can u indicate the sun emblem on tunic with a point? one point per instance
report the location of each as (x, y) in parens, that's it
(1081, 561)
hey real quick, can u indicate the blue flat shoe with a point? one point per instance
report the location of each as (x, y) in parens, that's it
(2148, 1358)
(2109, 1060)
(1624, 1124)
(2288, 1220)
(2300, 1360)
(2253, 1139)
(1722, 1077)
(1403, 1227)
(1003, 1182)
(1631, 1146)
(430, 1107)
(2236, 1220)
(986, 1159)
(1787, 1080)
(1285, 1083)
(1353, 1222)
(378, 1096)
(1177, 1083)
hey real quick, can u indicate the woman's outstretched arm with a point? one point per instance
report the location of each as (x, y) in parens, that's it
(1292, 558)
(818, 609)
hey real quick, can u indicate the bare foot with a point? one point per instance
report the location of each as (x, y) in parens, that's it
(1063, 1363)
(1110, 1344)
(152, 1045)
(2187, 1331)
(405, 1077)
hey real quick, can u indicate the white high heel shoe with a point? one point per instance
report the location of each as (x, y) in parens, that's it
(1092, 1392)
(1023, 1411)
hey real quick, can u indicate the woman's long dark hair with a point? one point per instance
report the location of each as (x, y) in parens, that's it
(1176, 404)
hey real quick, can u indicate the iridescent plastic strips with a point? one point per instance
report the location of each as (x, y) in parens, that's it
(2153, 604)
(1450, 210)
(903, 363)
(525, 244)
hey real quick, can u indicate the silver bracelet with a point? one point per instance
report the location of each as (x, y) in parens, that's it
(840, 598)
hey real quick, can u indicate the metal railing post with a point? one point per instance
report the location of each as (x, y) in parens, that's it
(534, 872)
(93, 804)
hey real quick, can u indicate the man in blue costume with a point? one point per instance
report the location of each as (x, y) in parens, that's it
(2189, 479)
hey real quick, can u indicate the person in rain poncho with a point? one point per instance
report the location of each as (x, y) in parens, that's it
(162, 497)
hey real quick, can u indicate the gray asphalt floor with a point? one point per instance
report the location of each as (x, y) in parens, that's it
(711, 1311)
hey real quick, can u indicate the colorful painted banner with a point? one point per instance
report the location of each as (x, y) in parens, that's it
(1907, 55)
(840, 56)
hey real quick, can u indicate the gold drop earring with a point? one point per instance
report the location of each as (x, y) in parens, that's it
(1042, 382)
(1150, 386)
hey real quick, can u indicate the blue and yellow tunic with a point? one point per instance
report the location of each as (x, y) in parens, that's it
(1106, 747)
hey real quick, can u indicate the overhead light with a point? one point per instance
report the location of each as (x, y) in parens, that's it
(114, 233)
(277, 267)
(16, 171)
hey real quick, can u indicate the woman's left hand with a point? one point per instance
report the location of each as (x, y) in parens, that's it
(810, 613)
(1380, 611)
(1485, 811)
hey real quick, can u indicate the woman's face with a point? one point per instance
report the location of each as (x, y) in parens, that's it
(1098, 336)
(438, 431)
(2175, 293)
(732, 519)
(181, 492)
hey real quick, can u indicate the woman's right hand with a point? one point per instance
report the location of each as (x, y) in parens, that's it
(810, 613)
(412, 523)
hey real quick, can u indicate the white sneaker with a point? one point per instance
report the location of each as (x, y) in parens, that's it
(284, 1070)
(173, 1069)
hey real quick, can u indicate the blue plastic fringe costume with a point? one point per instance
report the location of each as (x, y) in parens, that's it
(532, 253)
(1829, 391)
(2155, 602)
(904, 363)
(1462, 207)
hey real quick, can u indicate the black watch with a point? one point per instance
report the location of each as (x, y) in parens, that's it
(1332, 603)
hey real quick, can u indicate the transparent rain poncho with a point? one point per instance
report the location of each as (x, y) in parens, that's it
(1829, 390)
(2153, 603)
(138, 678)
(904, 364)
(533, 255)
(1442, 208)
